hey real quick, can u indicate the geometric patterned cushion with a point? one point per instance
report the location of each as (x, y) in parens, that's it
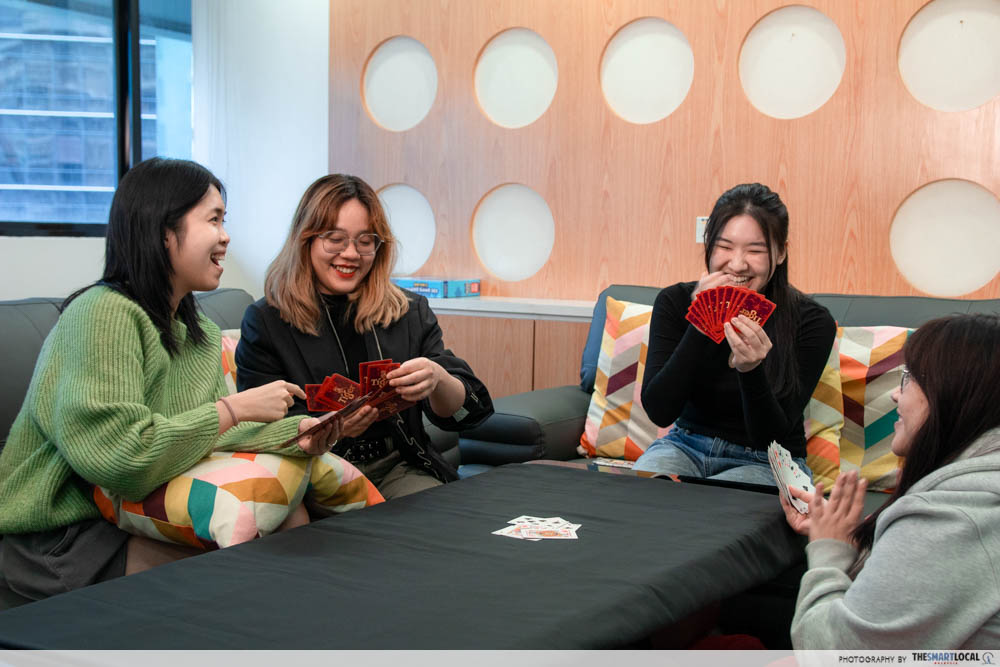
(824, 421)
(617, 425)
(871, 365)
(230, 339)
(233, 497)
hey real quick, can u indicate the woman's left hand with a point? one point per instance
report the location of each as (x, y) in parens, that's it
(837, 517)
(748, 342)
(416, 379)
(322, 440)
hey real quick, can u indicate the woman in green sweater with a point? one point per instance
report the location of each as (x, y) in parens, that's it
(128, 391)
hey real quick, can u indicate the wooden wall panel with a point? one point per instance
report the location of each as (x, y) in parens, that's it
(500, 351)
(558, 348)
(624, 196)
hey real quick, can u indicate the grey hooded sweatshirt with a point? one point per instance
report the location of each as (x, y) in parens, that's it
(932, 579)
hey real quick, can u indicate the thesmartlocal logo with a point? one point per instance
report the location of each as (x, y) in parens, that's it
(954, 657)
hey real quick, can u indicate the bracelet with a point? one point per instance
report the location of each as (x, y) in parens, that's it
(232, 413)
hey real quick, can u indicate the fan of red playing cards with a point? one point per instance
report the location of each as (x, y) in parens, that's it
(337, 391)
(342, 396)
(714, 307)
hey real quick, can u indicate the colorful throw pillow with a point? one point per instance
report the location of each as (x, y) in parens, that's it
(824, 421)
(617, 425)
(233, 497)
(230, 339)
(871, 365)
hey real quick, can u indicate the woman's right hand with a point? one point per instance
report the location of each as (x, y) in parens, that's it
(266, 403)
(710, 280)
(358, 422)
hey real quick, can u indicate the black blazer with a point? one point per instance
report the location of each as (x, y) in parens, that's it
(272, 349)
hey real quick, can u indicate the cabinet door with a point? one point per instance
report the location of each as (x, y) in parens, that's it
(500, 350)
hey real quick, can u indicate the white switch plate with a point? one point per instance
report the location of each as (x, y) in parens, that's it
(699, 228)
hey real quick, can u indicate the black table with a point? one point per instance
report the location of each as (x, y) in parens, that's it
(425, 572)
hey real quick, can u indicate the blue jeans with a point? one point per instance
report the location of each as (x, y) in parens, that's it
(683, 452)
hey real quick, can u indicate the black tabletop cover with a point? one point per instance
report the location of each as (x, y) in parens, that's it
(425, 571)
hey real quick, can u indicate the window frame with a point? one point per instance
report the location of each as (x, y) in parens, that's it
(128, 123)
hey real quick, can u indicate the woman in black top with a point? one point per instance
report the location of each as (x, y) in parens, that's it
(729, 401)
(330, 305)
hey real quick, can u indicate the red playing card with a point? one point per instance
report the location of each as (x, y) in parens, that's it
(313, 403)
(758, 308)
(739, 295)
(389, 403)
(338, 390)
(376, 373)
(363, 372)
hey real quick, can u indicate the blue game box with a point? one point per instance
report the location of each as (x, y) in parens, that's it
(440, 288)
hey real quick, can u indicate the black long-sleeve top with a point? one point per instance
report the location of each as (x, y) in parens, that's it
(688, 378)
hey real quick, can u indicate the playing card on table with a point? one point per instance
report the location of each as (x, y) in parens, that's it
(536, 528)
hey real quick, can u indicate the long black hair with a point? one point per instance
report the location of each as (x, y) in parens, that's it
(152, 198)
(955, 363)
(766, 208)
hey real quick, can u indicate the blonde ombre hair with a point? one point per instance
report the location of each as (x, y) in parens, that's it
(290, 285)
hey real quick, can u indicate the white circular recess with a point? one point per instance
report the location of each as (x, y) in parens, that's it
(513, 232)
(400, 83)
(516, 77)
(945, 236)
(412, 222)
(949, 56)
(792, 62)
(647, 70)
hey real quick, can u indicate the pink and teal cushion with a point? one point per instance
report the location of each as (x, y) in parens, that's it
(233, 497)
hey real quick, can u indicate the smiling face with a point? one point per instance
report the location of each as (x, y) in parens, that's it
(912, 407)
(198, 247)
(343, 272)
(741, 252)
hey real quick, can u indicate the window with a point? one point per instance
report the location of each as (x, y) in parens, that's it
(60, 132)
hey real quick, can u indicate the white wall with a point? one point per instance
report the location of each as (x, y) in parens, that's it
(261, 81)
(260, 123)
(31, 266)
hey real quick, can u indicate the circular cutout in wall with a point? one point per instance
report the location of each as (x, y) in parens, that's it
(399, 83)
(412, 222)
(513, 232)
(944, 237)
(516, 78)
(949, 55)
(647, 70)
(792, 62)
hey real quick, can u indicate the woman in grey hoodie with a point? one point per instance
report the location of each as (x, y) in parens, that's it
(924, 570)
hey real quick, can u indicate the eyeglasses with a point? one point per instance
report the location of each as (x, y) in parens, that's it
(904, 379)
(336, 242)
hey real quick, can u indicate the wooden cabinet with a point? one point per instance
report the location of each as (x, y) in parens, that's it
(511, 355)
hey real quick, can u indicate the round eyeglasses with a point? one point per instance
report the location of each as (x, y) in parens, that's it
(336, 241)
(904, 379)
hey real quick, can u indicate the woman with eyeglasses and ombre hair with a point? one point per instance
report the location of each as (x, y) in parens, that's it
(923, 571)
(329, 305)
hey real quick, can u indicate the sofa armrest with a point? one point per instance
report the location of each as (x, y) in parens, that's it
(445, 442)
(540, 424)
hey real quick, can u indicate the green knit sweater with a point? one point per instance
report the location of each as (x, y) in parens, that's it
(108, 406)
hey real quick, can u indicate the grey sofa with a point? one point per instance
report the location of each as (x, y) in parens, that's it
(548, 423)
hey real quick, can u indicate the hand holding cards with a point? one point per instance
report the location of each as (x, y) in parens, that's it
(788, 473)
(715, 306)
(337, 391)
